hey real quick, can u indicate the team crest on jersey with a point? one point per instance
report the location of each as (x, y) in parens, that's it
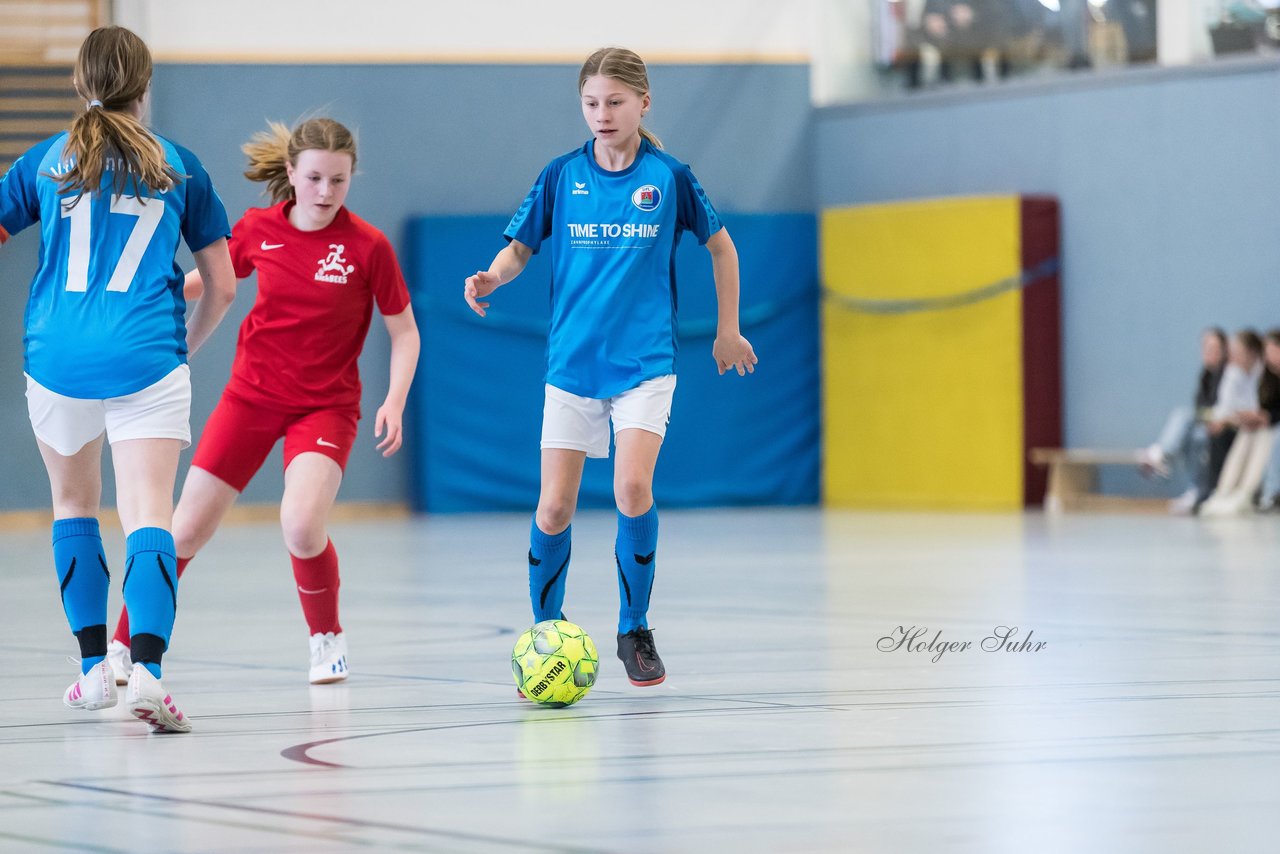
(333, 267)
(647, 198)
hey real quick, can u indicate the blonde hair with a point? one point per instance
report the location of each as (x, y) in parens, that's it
(625, 66)
(271, 149)
(112, 71)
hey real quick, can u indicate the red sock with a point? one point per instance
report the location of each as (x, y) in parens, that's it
(317, 579)
(122, 627)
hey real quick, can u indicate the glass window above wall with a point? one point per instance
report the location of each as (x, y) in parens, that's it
(943, 42)
(910, 46)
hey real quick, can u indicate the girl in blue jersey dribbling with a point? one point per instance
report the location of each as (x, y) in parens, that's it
(614, 210)
(106, 351)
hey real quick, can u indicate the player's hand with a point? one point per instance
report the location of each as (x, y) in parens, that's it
(735, 352)
(390, 419)
(479, 286)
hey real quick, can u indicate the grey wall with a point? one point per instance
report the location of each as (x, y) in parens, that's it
(433, 139)
(1170, 189)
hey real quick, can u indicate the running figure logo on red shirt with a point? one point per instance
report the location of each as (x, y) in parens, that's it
(334, 268)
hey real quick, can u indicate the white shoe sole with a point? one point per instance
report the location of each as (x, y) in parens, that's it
(154, 714)
(330, 678)
(110, 702)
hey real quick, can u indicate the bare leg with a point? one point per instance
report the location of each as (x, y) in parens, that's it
(561, 480)
(146, 470)
(636, 456)
(205, 500)
(310, 488)
(75, 481)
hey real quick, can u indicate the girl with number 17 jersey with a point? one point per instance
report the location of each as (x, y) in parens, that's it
(106, 351)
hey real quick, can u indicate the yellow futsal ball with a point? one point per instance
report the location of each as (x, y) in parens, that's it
(555, 663)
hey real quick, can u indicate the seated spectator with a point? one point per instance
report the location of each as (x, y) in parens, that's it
(1184, 442)
(1246, 460)
(1270, 497)
(971, 34)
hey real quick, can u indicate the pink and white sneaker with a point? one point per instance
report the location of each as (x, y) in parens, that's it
(150, 703)
(93, 690)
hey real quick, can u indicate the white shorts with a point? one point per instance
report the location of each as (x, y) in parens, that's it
(162, 410)
(582, 423)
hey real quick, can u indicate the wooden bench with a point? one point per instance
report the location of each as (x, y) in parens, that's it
(1073, 481)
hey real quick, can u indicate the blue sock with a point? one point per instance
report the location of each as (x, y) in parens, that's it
(548, 567)
(150, 594)
(83, 578)
(634, 551)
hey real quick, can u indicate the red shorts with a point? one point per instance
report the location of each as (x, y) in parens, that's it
(239, 435)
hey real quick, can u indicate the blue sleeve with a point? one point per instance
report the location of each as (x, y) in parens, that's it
(204, 219)
(19, 202)
(532, 223)
(694, 211)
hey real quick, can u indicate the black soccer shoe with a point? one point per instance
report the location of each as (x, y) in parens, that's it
(638, 655)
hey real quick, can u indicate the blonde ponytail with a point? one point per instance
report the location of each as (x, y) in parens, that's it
(112, 71)
(268, 153)
(273, 150)
(649, 135)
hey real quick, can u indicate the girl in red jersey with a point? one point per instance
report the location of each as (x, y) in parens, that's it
(320, 270)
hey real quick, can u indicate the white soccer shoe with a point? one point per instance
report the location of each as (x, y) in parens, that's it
(150, 703)
(328, 658)
(93, 690)
(120, 660)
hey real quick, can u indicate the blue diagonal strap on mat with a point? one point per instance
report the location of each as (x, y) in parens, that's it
(1043, 270)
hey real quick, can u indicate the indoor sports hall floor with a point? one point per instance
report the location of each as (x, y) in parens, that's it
(1149, 721)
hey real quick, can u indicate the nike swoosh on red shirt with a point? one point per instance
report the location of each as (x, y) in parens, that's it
(266, 245)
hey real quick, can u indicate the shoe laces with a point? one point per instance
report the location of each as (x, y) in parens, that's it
(644, 642)
(325, 646)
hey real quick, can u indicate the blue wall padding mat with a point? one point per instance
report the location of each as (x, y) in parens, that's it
(475, 414)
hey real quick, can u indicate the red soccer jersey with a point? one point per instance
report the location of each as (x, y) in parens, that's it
(316, 289)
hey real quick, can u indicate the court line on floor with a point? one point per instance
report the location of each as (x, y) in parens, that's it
(1266, 736)
(134, 809)
(769, 702)
(457, 836)
(301, 752)
(54, 843)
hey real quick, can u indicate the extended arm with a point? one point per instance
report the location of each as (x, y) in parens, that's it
(507, 264)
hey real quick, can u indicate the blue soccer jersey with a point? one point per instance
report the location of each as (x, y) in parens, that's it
(613, 282)
(105, 313)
